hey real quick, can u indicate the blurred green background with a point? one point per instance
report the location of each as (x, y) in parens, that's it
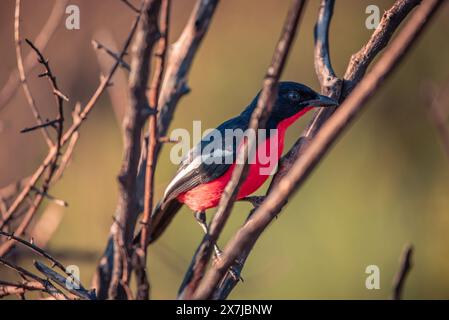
(385, 184)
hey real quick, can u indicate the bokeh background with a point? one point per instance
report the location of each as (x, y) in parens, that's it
(385, 183)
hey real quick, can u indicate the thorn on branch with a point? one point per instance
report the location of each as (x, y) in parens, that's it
(51, 123)
(60, 202)
(99, 46)
(131, 6)
(168, 140)
(60, 95)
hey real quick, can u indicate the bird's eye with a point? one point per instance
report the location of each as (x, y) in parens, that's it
(293, 96)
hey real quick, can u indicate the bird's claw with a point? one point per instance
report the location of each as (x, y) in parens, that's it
(235, 273)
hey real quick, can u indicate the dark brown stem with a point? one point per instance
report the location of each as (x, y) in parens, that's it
(142, 278)
(127, 208)
(23, 79)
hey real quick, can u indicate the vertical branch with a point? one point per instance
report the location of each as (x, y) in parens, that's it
(22, 76)
(246, 237)
(323, 66)
(123, 228)
(405, 266)
(258, 120)
(141, 252)
(180, 60)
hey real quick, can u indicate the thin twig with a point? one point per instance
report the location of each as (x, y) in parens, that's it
(49, 288)
(68, 282)
(247, 236)
(99, 46)
(23, 79)
(131, 6)
(36, 249)
(179, 62)
(405, 266)
(8, 288)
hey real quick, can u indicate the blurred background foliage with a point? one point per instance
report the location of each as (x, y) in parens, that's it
(385, 184)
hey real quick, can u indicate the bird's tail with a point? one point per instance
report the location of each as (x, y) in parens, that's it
(160, 219)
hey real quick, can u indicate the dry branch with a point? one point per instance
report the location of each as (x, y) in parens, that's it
(69, 137)
(245, 238)
(27, 276)
(153, 142)
(23, 79)
(99, 46)
(122, 230)
(59, 279)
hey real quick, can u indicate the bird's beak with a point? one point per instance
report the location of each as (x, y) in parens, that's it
(324, 101)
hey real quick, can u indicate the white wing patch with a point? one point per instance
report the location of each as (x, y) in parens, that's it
(218, 156)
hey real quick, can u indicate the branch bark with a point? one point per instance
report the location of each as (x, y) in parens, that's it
(122, 229)
(143, 286)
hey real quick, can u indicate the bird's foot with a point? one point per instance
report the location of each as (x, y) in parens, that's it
(233, 271)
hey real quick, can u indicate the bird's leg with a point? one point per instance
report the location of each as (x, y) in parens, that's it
(200, 217)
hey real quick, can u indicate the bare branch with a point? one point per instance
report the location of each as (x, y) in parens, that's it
(391, 20)
(153, 141)
(127, 208)
(52, 154)
(246, 237)
(180, 60)
(68, 282)
(131, 6)
(49, 288)
(406, 265)
(323, 67)
(51, 123)
(8, 288)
